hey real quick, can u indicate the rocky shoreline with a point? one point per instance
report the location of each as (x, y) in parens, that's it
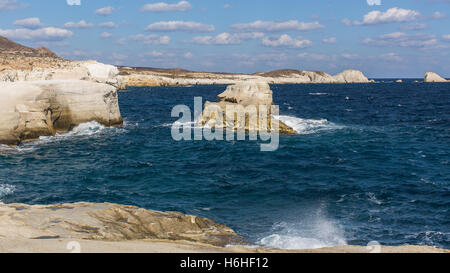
(106, 227)
(112, 228)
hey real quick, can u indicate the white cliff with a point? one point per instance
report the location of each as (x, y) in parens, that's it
(82, 70)
(32, 109)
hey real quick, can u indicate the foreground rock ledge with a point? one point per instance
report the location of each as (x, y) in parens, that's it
(29, 110)
(112, 228)
(108, 222)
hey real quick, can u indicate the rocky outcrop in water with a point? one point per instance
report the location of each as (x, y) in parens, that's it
(433, 77)
(244, 94)
(108, 222)
(351, 76)
(29, 110)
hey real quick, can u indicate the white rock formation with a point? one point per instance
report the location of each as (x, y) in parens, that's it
(433, 77)
(351, 76)
(42, 108)
(249, 93)
(82, 70)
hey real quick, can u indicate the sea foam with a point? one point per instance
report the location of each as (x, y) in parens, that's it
(6, 189)
(314, 231)
(307, 126)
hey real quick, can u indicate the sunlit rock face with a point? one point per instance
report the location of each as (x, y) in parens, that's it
(29, 110)
(351, 76)
(433, 77)
(245, 106)
(108, 222)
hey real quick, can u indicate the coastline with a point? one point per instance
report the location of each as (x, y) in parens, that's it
(64, 228)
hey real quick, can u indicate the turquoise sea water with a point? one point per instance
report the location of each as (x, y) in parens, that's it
(371, 162)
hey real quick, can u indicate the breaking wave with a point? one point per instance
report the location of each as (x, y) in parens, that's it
(84, 129)
(6, 189)
(316, 233)
(308, 126)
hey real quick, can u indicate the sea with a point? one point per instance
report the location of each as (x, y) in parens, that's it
(370, 163)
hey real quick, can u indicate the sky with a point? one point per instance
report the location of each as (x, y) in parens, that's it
(382, 38)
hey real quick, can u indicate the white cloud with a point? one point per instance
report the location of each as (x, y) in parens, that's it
(312, 56)
(438, 15)
(286, 41)
(11, 5)
(446, 37)
(330, 40)
(227, 38)
(414, 26)
(121, 41)
(188, 55)
(74, 2)
(42, 34)
(391, 57)
(31, 23)
(392, 15)
(227, 6)
(184, 26)
(151, 39)
(164, 7)
(104, 11)
(81, 24)
(401, 39)
(268, 26)
(349, 56)
(346, 22)
(118, 56)
(154, 54)
(106, 35)
(108, 25)
(373, 2)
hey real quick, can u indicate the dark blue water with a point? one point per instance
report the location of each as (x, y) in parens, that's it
(371, 163)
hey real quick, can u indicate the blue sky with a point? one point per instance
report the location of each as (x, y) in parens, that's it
(383, 38)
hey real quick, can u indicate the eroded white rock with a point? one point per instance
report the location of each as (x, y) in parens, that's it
(433, 77)
(29, 110)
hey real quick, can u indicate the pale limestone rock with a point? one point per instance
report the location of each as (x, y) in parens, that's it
(351, 76)
(82, 70)
(319, 77)
(433, 77)
(108, 222)
(42, 108)
(243, 96)
(247, 93)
